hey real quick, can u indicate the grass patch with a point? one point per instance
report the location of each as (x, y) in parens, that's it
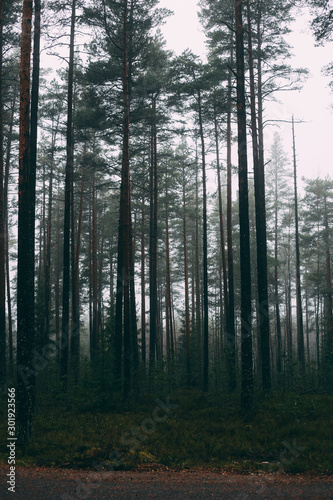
(293, 434)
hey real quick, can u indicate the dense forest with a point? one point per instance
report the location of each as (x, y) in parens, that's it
(123, 273)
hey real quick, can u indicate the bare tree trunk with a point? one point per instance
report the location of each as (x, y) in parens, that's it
(134, 326)
(126, 209)
(187, 306)
(231, 334)
(57, 286)
(300, 332)
(3, 356)
(153, 242)
(95, 328)
(329, 301)
(47, 262)
(75, 343)
(25, 271)
(197, 274)
(205, 253)
(65, 327)
(143, 283)
(247, 395)
(259, 185)
(6, 219)
(222, 243)
(276, 284)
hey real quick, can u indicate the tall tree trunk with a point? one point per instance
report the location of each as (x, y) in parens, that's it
(95, 328)
(329, 301)
(289, 328)
(231, 334)
(65, 327)
(205, 252)
(222, 243)
(247, 394)
(75, 338)
(153, 241)
(134, 326)
(259, 186)
(126, 206)
(3, 356)
(6, 219)
(25, 270)
(169, 318)
(57, 285)
(197, 274)
(47, 262)
(276, 282)
(300, 332)
(143, 282)
(187, 306)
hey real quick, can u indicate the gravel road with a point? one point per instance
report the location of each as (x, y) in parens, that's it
(65, 484)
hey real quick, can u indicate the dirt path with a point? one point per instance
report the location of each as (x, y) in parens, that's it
(46, 484)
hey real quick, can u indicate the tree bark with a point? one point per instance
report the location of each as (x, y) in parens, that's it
(6, 218)
(205, 252)
(247, 392)
(300, 332)
(3, 357)
(187, 306)
(259, 186)
(25, 269)
(143, 283)
(65, 327)
(222, 243)
(126, 209)
(231, 334)
(153, 242)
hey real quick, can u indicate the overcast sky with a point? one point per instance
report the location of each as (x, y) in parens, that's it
(313, 103)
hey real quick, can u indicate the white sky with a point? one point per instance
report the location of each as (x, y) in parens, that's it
(312, 104)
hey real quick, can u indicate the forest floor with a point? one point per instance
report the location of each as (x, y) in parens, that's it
(184, 445)
(52, 483)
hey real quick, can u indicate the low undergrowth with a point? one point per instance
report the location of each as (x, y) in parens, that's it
(290, 433)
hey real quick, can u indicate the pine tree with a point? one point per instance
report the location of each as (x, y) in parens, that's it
(25, 276)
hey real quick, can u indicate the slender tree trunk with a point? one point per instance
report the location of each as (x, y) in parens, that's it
(143, 283)
(276, 283)
(134, 326)
(95, 327)
(300, 332)
(187, 305)
(25, 271)
(247, 395)
(329, 301)
(231, 334)
(259, 186)
(3, 356)
(47, 262)
(100, 293)
(57, 286)
(197, 274)
(126, 208)
(6, 219)
(75, 339)
(205, 252)
(289, 328)
(65, 327)
(90, 293)
(224, 265)
(169, 317)
(153, 242)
